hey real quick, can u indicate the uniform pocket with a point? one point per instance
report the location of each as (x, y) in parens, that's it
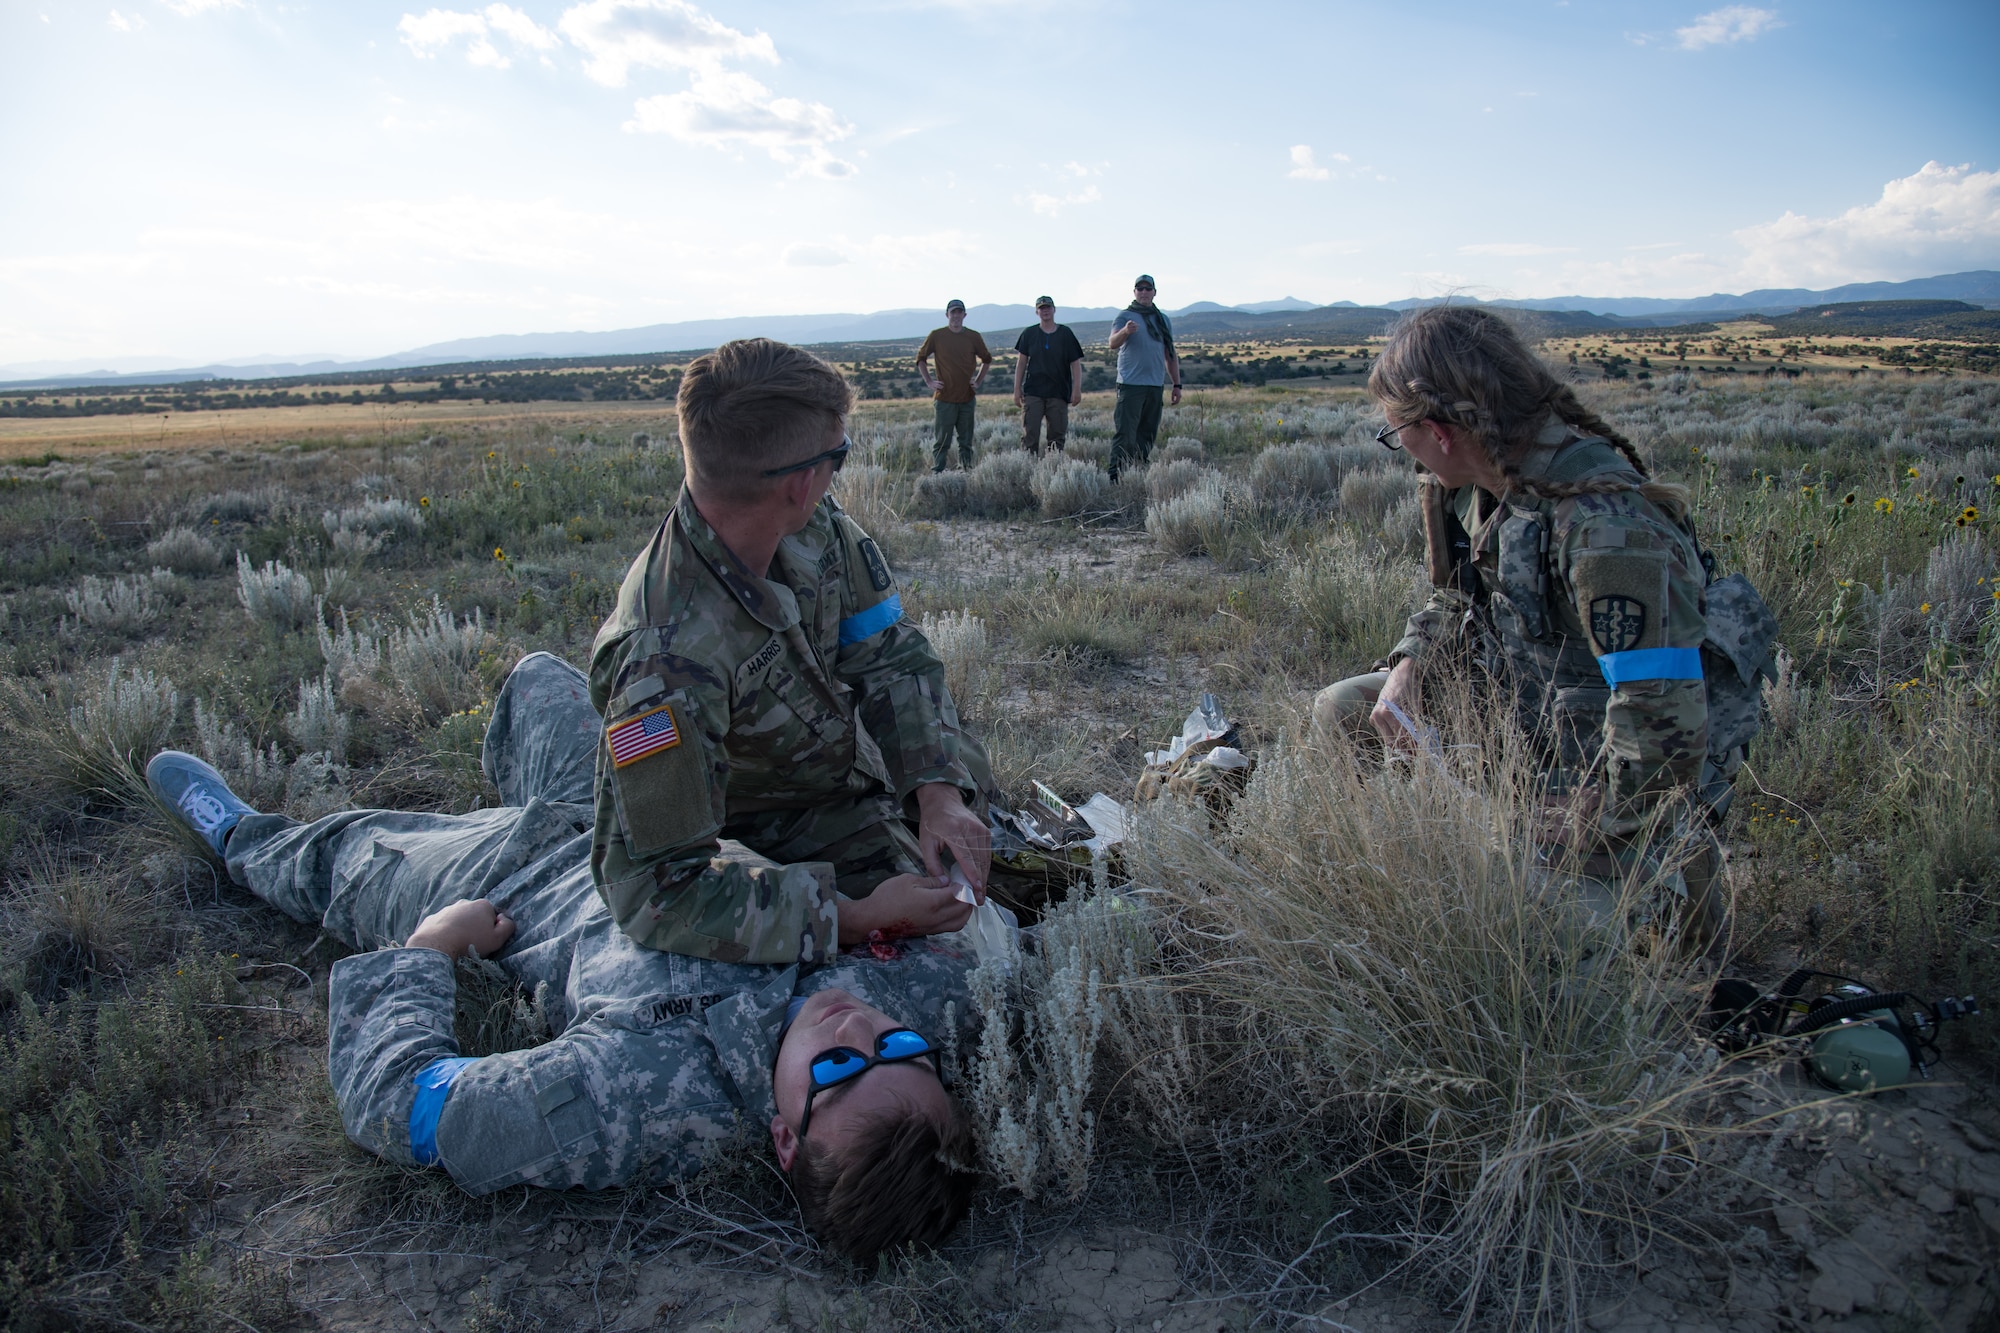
(660, 779)
(529, 1119)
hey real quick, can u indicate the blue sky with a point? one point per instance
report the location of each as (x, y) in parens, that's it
(195, 179)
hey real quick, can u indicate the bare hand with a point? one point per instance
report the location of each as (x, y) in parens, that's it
(1177, 393)
(1018, 402)
(903, 906)
(944, 820)
(472, 925)
(1076, 398)
(1406, 692)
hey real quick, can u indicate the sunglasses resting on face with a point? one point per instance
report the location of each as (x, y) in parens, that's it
(844, 1064)
(838, 454)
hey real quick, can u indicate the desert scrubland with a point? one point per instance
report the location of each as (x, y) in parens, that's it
(1309, 1055)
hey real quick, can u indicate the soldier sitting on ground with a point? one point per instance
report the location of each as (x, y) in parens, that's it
(758, 683)
(658, 1061)
(1569, 583)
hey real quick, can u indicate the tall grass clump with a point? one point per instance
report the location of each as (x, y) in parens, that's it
(1194, 522)
(1353, 599)
(867, 492)
(1367, 497)
(185, 551)
(1374, 965)
(1292, 476)
(125, 604)
(1173, 477)
(1070, 489)
(1180, 448)
(966, 649)
(317, 724)
(359, 531)
(433, 661)
(940, 494)
(276, 595)
(94, 742)
(1002, 485)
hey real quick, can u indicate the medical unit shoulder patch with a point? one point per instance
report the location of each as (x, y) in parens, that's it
(648, 733)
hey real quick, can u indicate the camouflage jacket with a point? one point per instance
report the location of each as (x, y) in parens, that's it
(726, 695)
(1590, 610)
(664, 1059)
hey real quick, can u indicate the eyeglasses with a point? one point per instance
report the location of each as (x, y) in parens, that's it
(844, 1064)
(839, 457)
(1386, 437)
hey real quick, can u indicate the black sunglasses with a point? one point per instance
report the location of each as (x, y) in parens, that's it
(844, 1064)
(839, 457)
(1386, 437)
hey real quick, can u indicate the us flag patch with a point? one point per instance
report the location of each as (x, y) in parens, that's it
(636, 737)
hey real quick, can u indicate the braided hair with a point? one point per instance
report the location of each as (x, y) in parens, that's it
(1468, 368)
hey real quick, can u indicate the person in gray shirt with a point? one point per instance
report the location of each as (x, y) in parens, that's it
(1144, 340)
(660, 1061)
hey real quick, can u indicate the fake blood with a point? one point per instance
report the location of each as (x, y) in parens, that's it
(882, 943)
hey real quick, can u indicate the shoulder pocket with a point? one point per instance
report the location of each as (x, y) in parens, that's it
(506, 1124)
(658, 760)
(1621, 597)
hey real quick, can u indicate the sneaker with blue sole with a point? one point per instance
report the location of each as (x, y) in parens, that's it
(198, 794)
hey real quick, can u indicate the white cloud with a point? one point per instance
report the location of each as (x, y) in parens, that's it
(1305, 168)
(1726, 26)
(725, 109)
(1052, 205)
(813, 256)
(1939, 220)
(619, 35)
(189, 8)
(1514, 249)
(519, 29)
(437, 29)
(119, 23)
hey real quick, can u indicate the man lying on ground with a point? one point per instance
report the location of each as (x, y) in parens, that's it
(659, 1061)
(759, 684)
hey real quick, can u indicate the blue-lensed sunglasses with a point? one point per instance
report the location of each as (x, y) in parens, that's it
(844, 1064)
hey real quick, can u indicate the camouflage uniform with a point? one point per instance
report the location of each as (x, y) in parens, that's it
(1595, 616)
(803, 712)
(659, 1059)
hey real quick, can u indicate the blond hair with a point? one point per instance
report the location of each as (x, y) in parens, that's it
(1468, 368)
(753, 405)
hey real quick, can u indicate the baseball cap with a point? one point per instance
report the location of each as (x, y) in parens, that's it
(1145, 280)
(953, 304)
(1041, 301)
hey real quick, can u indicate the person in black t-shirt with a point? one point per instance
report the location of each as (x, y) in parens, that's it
(1048, 377)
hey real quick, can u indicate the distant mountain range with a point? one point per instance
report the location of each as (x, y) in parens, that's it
(1289, 316)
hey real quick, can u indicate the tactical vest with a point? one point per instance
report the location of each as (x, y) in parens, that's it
(1528, 636)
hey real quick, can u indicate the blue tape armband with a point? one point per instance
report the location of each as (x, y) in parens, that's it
(866, 624)
(1650, 664)
(433, 1084)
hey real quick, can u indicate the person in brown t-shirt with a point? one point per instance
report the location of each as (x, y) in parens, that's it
(956, 385)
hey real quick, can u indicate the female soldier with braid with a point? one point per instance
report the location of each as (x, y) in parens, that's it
(1571, 581)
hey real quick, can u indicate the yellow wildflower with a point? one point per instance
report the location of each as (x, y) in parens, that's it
(424, 500)
(1913, 472)
(499, 554)
(1970, 514)
(1885, 505)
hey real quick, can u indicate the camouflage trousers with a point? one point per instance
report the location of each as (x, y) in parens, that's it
(1691, 893)
(369, 876)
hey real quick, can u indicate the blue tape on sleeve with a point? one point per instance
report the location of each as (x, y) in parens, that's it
(866, 624)
(1650, 664)
(433, 1084)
